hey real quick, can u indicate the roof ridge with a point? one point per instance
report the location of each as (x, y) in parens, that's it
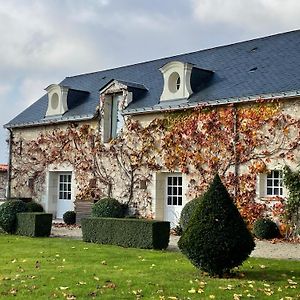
(185, 54)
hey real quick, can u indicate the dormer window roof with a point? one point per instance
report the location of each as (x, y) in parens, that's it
(182, 79)
(57, 100)
(177, 80)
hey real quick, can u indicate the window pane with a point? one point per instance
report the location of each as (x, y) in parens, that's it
(179, 200)
(179, 180)
(169, 191)
(174, 200)
(180, 191)
(169, 200)
(269, 182)
(169, 180)
(174, 190)
(174, 180)
(269, 191)
(276, 191)
(276, 182)
(275, 174)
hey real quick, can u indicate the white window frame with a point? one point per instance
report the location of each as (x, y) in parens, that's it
(172, 190)
(262, 185)
(271, 186)
(113, 121)
(66, 183)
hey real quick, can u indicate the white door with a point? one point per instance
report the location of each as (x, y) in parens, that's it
(174, 199)
(65, 201)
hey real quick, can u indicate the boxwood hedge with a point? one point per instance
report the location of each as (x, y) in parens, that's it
(137, 233)
(34, 224)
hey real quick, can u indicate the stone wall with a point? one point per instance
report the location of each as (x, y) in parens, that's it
(3, 184)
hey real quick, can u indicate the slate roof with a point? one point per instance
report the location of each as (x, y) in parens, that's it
(269, 65)
(3, 168)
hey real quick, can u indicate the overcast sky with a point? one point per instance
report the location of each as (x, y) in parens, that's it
(43, 41)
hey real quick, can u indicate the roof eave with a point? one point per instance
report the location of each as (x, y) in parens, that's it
(189, 105)
(51, 121)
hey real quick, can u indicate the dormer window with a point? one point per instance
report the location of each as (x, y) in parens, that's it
(174, 82)
(178, 83)
(57, 100)
(54, 101)
(114, 97)
(177, 80)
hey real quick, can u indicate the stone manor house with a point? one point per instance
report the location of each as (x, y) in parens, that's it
(153, 134)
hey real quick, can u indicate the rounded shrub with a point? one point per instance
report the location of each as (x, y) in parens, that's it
(187, 212)
(33, 206)
(216, 239)
(108, 208)
(69, 217)
(265, 229)
(8, 214)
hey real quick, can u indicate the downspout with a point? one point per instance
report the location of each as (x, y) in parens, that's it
(235, 152)
(8, 195)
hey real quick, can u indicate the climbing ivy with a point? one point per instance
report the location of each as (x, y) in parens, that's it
(291, 180)
(236, 141)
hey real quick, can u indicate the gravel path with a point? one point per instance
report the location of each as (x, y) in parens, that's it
(264, 249)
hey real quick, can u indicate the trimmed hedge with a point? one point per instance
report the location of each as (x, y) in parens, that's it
(188, 211)
(34, 224)
(33, 206)
(69, 217)
(108, 208)
(136, 233)
(265, 229)
(216, 239)
(8, 214)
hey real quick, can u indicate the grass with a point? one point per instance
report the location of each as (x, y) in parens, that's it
(53, 268)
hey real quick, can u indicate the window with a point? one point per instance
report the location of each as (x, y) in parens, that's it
(113, 120)
(174, 82)
(54, 101)
(274, 183)
(178, 83)
(65, 187)
(116, 118)
(174, 190)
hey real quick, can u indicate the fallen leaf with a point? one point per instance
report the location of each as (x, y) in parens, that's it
(250, 296)
(262, 266)
(192, 291)
(109, 285)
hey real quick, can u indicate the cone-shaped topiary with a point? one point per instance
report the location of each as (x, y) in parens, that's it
(216, 239)
(187, 212)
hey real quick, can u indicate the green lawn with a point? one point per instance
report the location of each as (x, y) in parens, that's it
(53, 268)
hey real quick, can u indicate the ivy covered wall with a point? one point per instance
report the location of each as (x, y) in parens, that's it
(237, 141)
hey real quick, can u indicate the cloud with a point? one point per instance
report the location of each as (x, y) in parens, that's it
(249, 15)
(44, 41)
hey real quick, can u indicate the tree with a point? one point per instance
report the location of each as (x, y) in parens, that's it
(216, 239)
